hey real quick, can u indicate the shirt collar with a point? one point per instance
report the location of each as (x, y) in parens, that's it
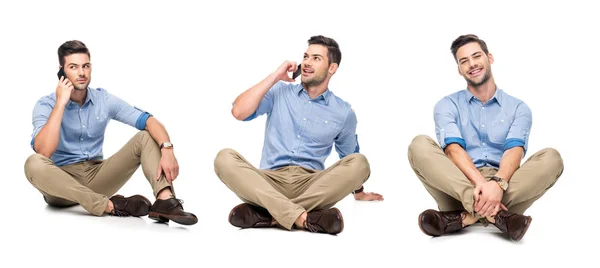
(323, 97)
(497, 96)
(90, 97)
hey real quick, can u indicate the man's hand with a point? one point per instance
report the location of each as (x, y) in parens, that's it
(168, 165)
(63, 91)
(282, 72)
(368, 196)
(487, 199)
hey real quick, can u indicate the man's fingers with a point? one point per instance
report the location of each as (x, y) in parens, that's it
(158, 172)
(495, 212)
(173, 176)
(484, 208)
(168, 175)
(479, 204)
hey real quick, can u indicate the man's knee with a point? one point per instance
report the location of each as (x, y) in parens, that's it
(553, 160)
(35, 165)
(419, 144)
(225, 160)
(143, 135)
(360, 165)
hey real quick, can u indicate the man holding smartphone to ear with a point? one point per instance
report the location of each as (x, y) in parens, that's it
(68, 133)
(475, 173)
(292, 187)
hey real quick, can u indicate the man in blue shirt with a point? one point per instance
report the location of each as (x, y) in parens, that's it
(292, 186)
(68, 132)
(474, 174)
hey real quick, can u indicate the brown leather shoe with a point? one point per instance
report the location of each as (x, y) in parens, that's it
(327, 221)
(436, 223)
(136, 206)
(249, 216)
(512, 224)
(171, 209)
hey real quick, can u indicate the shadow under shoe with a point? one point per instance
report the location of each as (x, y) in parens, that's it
(436, 223)
(329, 221)
(249, 216)
(135, 205)
(512, 224)
(171, 209)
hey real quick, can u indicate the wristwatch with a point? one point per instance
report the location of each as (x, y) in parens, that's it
(166, 145)
(359, 190)
(503, 184)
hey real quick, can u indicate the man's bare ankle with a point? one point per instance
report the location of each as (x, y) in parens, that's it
(468, 219)
(165, 194)
(301, 221)
(109, 207)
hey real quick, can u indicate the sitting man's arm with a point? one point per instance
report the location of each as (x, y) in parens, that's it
(347, 143)
(47, 120)
(515, 145)
(486, 194)
(125, 113)
(450, 139)
(259, 99)
(168, 162)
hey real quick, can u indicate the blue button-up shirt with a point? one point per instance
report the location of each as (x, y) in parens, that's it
(485, 131)
(302, 131)
(82, 128)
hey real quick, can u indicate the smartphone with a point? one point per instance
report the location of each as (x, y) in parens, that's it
(297, 72)
(61, 72)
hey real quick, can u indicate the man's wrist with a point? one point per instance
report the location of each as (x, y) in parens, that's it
(503, 184)
(359, 190)
(166, 145)
(481, 181)
(60, 106)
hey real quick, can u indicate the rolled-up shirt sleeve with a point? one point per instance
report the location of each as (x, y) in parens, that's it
(347, 141)
(446, 124)
(518, 134)
(125, 113)
(266, 103)
(41, 113)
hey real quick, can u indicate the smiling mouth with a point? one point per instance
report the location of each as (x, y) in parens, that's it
(475, 71)
(308, 71)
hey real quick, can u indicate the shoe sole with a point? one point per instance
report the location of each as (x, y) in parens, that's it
(421, 223)
(525, 230)
(146, 201)
(164, 218)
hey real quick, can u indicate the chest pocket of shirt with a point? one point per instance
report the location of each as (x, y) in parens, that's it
(97, 125)
(499, 129)
(323, 131)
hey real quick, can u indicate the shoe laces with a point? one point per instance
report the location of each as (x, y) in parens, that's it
(313, 225)
(178, 204)
(120, 213)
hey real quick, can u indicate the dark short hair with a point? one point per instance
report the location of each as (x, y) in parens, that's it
(71, 47)
(466, 39)
(333, 49)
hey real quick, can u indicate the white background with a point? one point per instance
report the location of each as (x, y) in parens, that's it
(185, 62)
